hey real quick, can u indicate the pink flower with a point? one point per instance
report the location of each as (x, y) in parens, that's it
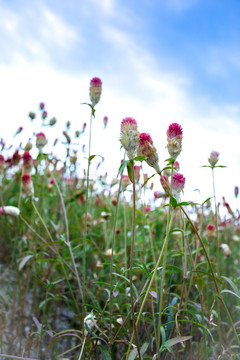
(95, 90)
(213, 159)
(27, 162)
(178, 182)
(236, 190)
(174, 139)
(174, 130)
(147, 149)
(105, 121)
(147, 209)
(41, 105)
(157, 195)
(137, 172)
(210, 232)
(125, 182)
(176, 165)
(129, 136)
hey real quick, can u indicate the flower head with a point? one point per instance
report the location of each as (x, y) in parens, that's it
(226, 250)
(41, 105)
(105, 121)
(174, 139)
(41, 140)
(147, 149)
(27, 185)
(129, 136)
(213, 159)
(27, 162)
(95, 90)
(211, 231)
(9, 210)
(236, 189)
(178, 183)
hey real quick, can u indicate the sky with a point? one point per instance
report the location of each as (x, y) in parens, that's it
(160, 62)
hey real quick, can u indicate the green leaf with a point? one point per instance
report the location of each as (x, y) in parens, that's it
(186, 203)
(134, 351)
(145, 182)
(93, 110)
(230, 292)
(122, 166)
(173, 201)
(231, 283)
(207, 200)
(105, 353)
(207, 166)
(221, 166)
(129, 169)
(139, 158)
(170, 160)
(93, 156)
(169, 343)
(24, 261)
(128, 281)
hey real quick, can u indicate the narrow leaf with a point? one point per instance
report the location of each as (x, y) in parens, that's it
(24, 261)
(176, 340)
(139, 158)
(129, 169)
(122, 166)
(104, 352)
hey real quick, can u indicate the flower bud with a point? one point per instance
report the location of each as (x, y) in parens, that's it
(236, 191)
(137, 172)
(147, 149)
(213, 159)
(41, 105)
(125, 182)
(9, 210)
(129, 136)
(174, 139)
(95, 90)
(178, 183)
(27, 185)
(41, 141)
(52, 121)
(32, 115)
(211, 231)
(105, 121)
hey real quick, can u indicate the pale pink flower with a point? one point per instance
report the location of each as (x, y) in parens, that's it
(157, 195)
(27, 185)
(41, 141)
(174, 139)
(147, 149)
(95, 90)
(129, 136)
(213, 159)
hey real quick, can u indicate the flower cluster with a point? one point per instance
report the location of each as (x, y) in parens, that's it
(95, 90)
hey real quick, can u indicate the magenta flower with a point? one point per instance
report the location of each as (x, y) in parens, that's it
(147, 149)
(41, 140)
(174, 139)
(178, 183)
(129, 136)
(95, 90)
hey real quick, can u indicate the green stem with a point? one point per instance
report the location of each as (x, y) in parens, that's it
(85, 221)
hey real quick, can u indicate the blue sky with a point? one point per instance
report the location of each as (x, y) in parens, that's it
(160, 62)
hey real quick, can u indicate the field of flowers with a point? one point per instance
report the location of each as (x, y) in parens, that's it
(91, 271)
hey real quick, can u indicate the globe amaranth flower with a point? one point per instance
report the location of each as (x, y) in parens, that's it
(41, 141)
(236, 190)
(27, 185)
(129, 136)
(211, 231)
(174, 140)
(27, 162)
(213, 159)
(178, 183)
(147, 149)
(95, 90)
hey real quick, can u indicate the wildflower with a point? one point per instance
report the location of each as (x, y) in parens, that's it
(41, 105)
(28, 146)
(95, 90)
(147, 149)
(105, 121)
(50, 185)
(117, 231)
(109, 253)
(9, 210)
(174, 139)
(1, 163)
(236, 191)
(165, 183)
(89, 323)
(52, 121)
(178, 183)
(44, 114)
(177, 166)
(41, 141)
(147, 209)
(125, 182)
(213, 159)
(114, 201)
(210, 232)
(226, 250)
(32, 115)
(129, 136)
(157, 195)
(27, 185)
(27, 162)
